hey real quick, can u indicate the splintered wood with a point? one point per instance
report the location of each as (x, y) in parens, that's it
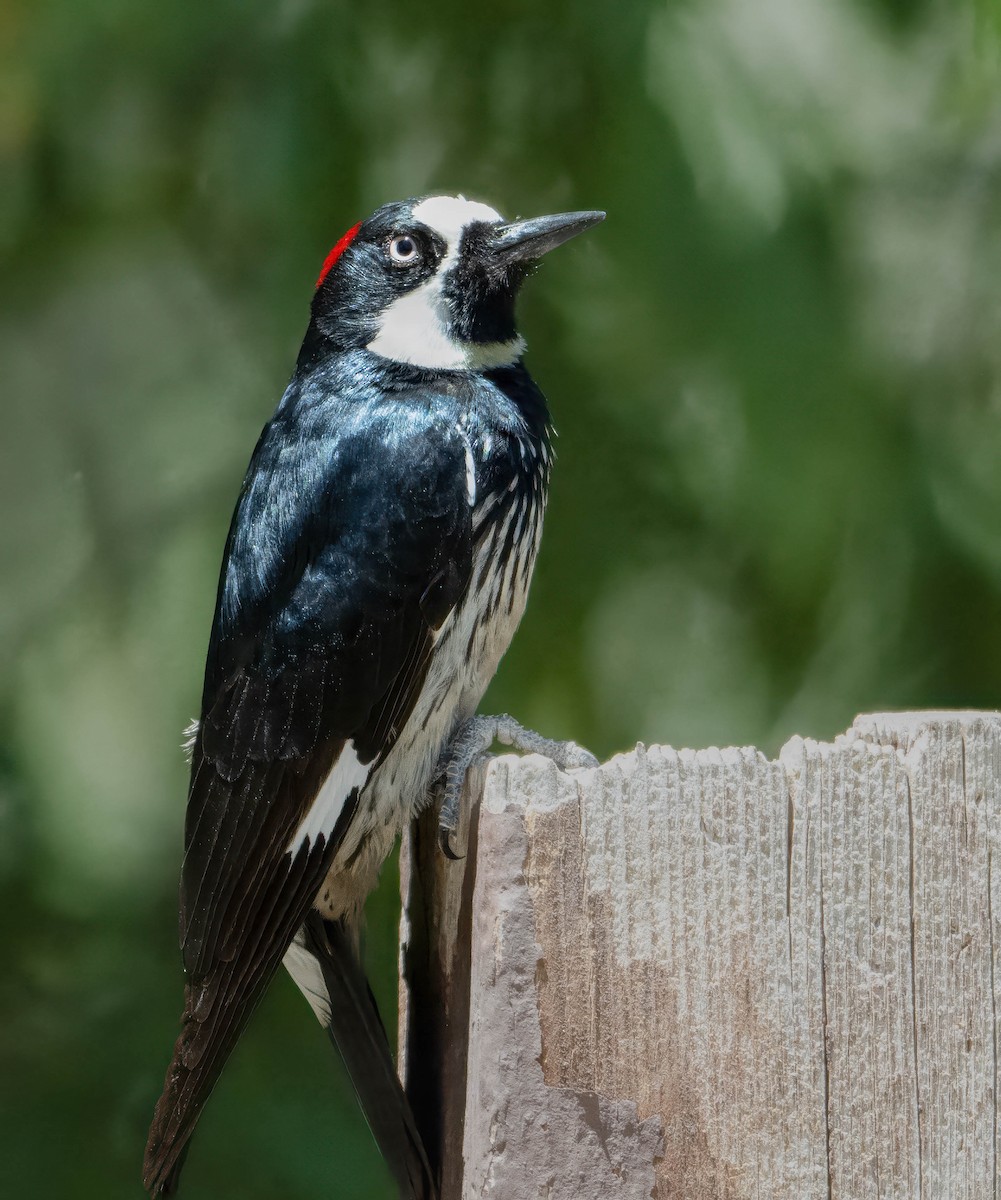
(705, 974)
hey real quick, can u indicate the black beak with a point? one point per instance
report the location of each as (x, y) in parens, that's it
(525, 241)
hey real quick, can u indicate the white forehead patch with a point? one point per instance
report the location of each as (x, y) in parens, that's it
(414, 327)
(449, 215)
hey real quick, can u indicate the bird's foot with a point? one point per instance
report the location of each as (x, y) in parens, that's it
(473, 739)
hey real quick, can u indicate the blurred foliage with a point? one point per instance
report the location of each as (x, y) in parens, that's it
(775, 370)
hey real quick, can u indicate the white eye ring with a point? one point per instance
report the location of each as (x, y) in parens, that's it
(403, 249)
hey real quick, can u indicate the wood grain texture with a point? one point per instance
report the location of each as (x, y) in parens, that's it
(435, 948)
(705, 974)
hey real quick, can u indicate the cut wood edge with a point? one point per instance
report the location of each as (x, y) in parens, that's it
(576, 1076)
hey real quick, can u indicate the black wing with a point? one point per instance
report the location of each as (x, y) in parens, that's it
(345, 554)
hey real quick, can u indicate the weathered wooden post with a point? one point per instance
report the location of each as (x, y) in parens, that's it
(705, 974)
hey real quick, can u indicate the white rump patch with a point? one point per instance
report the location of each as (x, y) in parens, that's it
(414, 328)
(305, 971)
(345, 775)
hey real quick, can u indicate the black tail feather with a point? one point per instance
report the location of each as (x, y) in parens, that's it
(357, 1031)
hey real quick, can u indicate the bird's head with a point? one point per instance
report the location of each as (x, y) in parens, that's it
(432, 282)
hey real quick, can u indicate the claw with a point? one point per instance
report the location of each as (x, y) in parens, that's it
(575, 756)
(466, 747)
(445, 844)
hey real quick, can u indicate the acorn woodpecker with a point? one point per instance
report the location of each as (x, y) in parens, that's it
(376, 568)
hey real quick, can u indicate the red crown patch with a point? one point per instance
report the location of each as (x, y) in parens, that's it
(337, 251)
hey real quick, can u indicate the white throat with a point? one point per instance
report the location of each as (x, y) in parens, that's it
(414, 328)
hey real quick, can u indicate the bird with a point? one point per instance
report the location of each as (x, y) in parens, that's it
(376, 568)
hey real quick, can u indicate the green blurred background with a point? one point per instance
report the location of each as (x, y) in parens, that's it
(775, 371)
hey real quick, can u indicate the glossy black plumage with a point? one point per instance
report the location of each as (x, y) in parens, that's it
(351, 542)
(382, 499)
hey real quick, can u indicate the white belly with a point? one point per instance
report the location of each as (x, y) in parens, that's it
(469, 646)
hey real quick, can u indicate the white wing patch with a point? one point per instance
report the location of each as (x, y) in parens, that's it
(346, 774)
(414, 327)
(308, 977)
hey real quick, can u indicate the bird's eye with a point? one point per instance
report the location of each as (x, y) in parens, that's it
(403, 249)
